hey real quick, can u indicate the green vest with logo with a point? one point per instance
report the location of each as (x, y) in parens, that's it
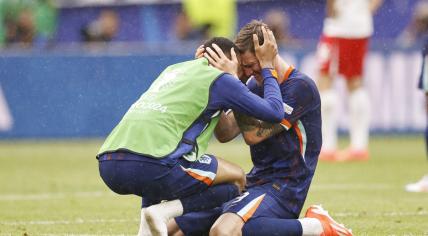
(154, 125)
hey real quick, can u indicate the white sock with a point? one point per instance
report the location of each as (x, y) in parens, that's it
(311, 227)
(329, 119)
(144, 227)
(359, 114)
(157, 216)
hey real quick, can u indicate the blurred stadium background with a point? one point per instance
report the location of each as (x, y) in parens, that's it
(69, 69)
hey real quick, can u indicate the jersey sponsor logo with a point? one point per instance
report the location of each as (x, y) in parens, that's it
(166, 80)
(190, 156)
(145, 105)
(205, 159)
(288, 109)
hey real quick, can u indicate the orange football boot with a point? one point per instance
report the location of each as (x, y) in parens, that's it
(330, 226)
(350, 154)
(327, 155)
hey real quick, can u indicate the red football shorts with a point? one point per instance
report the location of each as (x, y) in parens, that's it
(342, 56)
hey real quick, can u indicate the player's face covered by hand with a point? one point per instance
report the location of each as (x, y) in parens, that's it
(250, 66)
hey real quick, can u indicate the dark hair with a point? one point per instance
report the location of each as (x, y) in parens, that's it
(224, 44)
(244, 38)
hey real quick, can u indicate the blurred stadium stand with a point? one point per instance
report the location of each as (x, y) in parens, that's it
(72, 89)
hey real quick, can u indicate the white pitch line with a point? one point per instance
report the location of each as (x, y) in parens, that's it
(371, 186)
(47, 196)
(386, 214)
(99, 221)
(72, 234)
(66, 222)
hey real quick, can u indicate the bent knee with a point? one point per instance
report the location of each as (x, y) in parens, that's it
(228, 224)
(220, 230)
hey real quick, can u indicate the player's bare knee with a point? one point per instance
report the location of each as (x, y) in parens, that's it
(225, 230)
(173, 229)
(219, 230)
(229, 224)
(178, 233)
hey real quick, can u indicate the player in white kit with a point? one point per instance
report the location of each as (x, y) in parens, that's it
(347, 28)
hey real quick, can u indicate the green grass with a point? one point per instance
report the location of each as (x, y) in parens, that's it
(53, 188)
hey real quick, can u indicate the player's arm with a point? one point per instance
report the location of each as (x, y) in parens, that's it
(235, 95)
(330, 10)
(374, 5)
(255, 131)
(227, 128)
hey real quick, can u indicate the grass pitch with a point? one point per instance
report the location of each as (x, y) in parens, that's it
(53, 188)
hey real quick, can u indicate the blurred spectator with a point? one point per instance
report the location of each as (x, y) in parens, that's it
(18, 20)
(22, 21)
(418, 26)
(103, 29)
(279, 22)
(184, 29)
(347, 29)
(207, 18)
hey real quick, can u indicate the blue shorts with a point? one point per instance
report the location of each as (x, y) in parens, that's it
(258, 201)
(127, 173)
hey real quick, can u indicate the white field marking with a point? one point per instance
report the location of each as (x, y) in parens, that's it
(371, 186)
(100, 221)
(67, 222)
(48, 196)
(72, 234)
(385, 214)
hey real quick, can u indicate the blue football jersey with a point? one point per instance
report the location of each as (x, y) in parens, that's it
(289, 158)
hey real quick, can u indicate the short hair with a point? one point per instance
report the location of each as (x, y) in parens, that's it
(244, 38)
(224, 44)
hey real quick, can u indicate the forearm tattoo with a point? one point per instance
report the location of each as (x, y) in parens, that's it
(246, 123)
(267, 129)
(264, 129)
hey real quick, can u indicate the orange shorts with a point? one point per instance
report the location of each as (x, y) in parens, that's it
(342, 56)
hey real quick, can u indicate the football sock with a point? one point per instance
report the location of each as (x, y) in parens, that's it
(156, 216)
(311, 227)
(144, 227)
(359, 113)
(272, 226)
(213, 197)
(329, 119)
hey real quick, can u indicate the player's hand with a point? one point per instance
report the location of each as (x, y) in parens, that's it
(199, 52)
(266, 52)
(220, 61)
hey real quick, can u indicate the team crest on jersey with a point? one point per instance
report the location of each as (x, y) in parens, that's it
(205, 159)
(288, 109)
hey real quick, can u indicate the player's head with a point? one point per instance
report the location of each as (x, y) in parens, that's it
(244, 40)
(225, 45)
